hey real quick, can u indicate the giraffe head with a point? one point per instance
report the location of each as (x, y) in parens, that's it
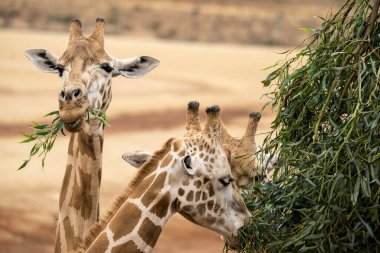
(86, 70)
(207, 194)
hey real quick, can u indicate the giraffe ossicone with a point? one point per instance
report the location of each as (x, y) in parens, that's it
(86, 70)
(190, 175)
(246, 165)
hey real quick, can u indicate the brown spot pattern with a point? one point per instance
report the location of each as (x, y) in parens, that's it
(65, 185)
(100, 245)
(149, 232)
(154, 189)
(177, 145)
(130, 246)
(167, 159)
(210, 204)
(162, 206)
(181, 192)
(201, 208)
(82, 194)
(123, 223)
(198, 196)
(190, 196)
(141, 188)
(197, 183)
(216, 207)
(211, 191)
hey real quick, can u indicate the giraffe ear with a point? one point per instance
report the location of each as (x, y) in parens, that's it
(186, 163)
(135, 67)
(137, 158)
(43, 60)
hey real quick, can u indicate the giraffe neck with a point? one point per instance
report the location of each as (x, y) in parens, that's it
(79, 197)
(138, 223)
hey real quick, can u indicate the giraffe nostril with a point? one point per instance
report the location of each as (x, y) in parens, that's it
(77, 93)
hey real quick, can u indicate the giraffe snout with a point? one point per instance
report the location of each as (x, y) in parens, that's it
(71, 94)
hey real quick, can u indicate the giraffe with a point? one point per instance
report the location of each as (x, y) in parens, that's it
(190, 175)
(86, 70)
(245, 166)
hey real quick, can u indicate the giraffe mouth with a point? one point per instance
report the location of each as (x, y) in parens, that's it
(75, 126)
(232, 241)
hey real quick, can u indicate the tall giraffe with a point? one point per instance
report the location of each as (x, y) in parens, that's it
(245, 166)
(86, 70)
(190, 175)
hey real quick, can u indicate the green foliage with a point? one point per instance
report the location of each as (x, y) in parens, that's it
(44, 135)
(325, 193)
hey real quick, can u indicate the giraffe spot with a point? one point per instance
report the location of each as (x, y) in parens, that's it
(57, 247)
(167, 159)
(177, 145)
(210, 219)
(221, 221)
(130, 246)
(212, 160)
(201, 208)
(211, 191)
(149, 232)
(71, 240)
(81, 198)
(181, 192)
(70, 150)
(190, 196)
(216, 207)
(101, 90)
(201, 155)
(65, 185)
(154, 189)
(86, 145)
(100, 244)
(210, 204)
(141, 188)
(204, 195)
(200, 147)
(126, 220)
(198, 196)
(175, 205)
(197, 183)
(182, 153)
(206, 180)
(206, 159)
(160, 209)
(187, 208)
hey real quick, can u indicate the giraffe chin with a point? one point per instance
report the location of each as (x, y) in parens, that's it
(75, 126)
(232, 241)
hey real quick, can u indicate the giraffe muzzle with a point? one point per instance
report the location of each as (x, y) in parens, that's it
(73, 113)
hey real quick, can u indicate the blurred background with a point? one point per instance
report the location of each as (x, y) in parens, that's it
(210, 51)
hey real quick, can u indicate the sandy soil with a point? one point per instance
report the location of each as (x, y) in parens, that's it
(144, 113)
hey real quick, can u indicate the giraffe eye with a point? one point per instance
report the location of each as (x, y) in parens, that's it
(106, 67)
(226, 181)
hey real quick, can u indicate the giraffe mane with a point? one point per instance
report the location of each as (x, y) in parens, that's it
(141, 174)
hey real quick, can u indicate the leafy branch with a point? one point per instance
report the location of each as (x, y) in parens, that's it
(45, 135)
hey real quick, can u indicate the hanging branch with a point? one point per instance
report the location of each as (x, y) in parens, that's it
(324, 196)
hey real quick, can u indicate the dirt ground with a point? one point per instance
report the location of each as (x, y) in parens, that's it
(143, 114)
